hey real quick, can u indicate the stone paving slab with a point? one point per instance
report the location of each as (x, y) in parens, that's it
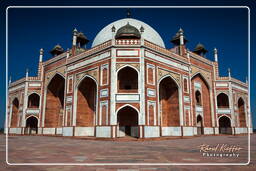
(44, 149)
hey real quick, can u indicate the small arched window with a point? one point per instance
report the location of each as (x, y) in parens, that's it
(198, 98)
(33, 100)
(222, 101)
(127, 80)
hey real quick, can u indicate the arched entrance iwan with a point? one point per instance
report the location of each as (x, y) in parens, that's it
(169, 102)
(31, 125)
(199, 125)
(241, 111)
(86, 102)
(15, 112)
(201, 98)
(127, 121)
(55, 102)
(225, 125)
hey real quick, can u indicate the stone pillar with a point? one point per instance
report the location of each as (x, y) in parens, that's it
(113, 89)
(141, 89)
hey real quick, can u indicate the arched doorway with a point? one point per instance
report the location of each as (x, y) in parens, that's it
(15, 112)
(31, 125)
(241, 111)
(86, 102)
(55, 102)
(169, 102)
(225, 125)
(199, 125)
(201, 99)
(33, 100)
(127, 80)
(127, 120)
(222, 101)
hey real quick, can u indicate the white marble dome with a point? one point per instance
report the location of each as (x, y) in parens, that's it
(149, 33)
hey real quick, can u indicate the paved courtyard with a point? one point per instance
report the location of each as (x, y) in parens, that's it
(43, 149)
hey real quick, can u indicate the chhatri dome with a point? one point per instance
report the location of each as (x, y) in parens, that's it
(149, 33)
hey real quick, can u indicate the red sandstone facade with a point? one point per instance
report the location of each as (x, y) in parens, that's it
(130, 85)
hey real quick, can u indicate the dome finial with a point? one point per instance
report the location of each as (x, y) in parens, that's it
(26, 73)
(128, 13)
(141, 29)
(113, 29)
(181, 30)
(215, 51)
(41, 55)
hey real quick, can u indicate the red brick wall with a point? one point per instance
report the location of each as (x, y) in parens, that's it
(53, 109)
(104, 76)
(151, 115)
(185, 84)
(68, 118)
(70, 85)
(104, 115)
(150, 75)
(55, 64)
(169, 101)
(187, 117)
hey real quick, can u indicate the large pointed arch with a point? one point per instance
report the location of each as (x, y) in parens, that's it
(225, 125)
(15, 113)
(128, 120)
(200, 125)
(55, 101)
(241, 112)
(199, 83)
(169, 102)
(198, 74)
(86, 102)
(31, 125)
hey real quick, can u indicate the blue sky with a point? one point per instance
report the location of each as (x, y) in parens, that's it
(32, 29)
